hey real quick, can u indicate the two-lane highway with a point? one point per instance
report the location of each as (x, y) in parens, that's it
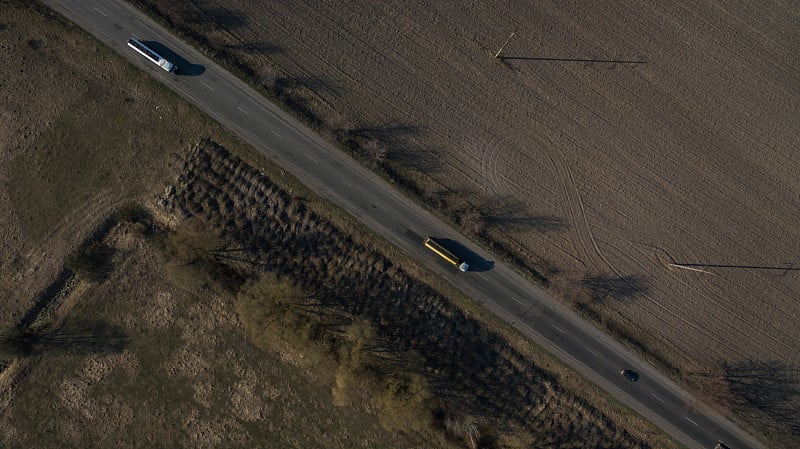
(337, 177)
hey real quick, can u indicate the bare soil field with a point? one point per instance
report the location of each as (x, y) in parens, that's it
(133, 320)
(638, 158)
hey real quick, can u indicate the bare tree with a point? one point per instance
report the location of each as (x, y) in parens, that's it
(375, 152)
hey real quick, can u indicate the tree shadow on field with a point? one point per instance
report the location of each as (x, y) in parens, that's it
(602, 287)
(508, 213)
(226, 18)
(184, 67)
(476, 262)
(396, 141)
(260, 48)
(320, 83)
(772, 388)
(87, 337)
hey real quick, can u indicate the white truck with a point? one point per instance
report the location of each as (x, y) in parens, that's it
(150, 54)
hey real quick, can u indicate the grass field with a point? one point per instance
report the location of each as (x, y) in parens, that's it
(127, 262)
(637, 158)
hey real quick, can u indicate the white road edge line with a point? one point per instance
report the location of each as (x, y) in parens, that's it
(204, 84)
(101, 12)
(559, 329)
(657, 398)
(240, 108)
(690, 420)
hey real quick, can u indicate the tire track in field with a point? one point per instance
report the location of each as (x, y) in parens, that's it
(489, 161)
(577, 216)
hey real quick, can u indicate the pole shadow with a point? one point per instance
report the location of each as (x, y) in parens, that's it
(785, 269)
(601, 61)
(184, 67)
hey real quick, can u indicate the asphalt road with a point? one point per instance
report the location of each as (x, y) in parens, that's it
(335, 176)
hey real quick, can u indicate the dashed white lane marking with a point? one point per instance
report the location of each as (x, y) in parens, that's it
(273, 132)
(518, 301)
(690, 420)
(348, 184)
(101, 12)
(657, 398)
(592, 352)
(240, 108)
(204, 84)
(312, 159)
(559, 329)
(482, 276)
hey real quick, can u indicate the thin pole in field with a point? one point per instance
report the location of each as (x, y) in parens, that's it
(497, 55)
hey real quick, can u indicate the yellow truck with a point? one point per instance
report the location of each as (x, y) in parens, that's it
(446, 254)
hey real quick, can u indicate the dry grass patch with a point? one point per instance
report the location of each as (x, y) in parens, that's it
(72, 146)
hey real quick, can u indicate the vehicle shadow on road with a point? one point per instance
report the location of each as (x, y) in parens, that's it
(476, 262)
(185, 68)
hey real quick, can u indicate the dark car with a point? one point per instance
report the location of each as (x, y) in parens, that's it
(631, 375)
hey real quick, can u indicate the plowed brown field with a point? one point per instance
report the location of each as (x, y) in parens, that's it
(610, 141)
